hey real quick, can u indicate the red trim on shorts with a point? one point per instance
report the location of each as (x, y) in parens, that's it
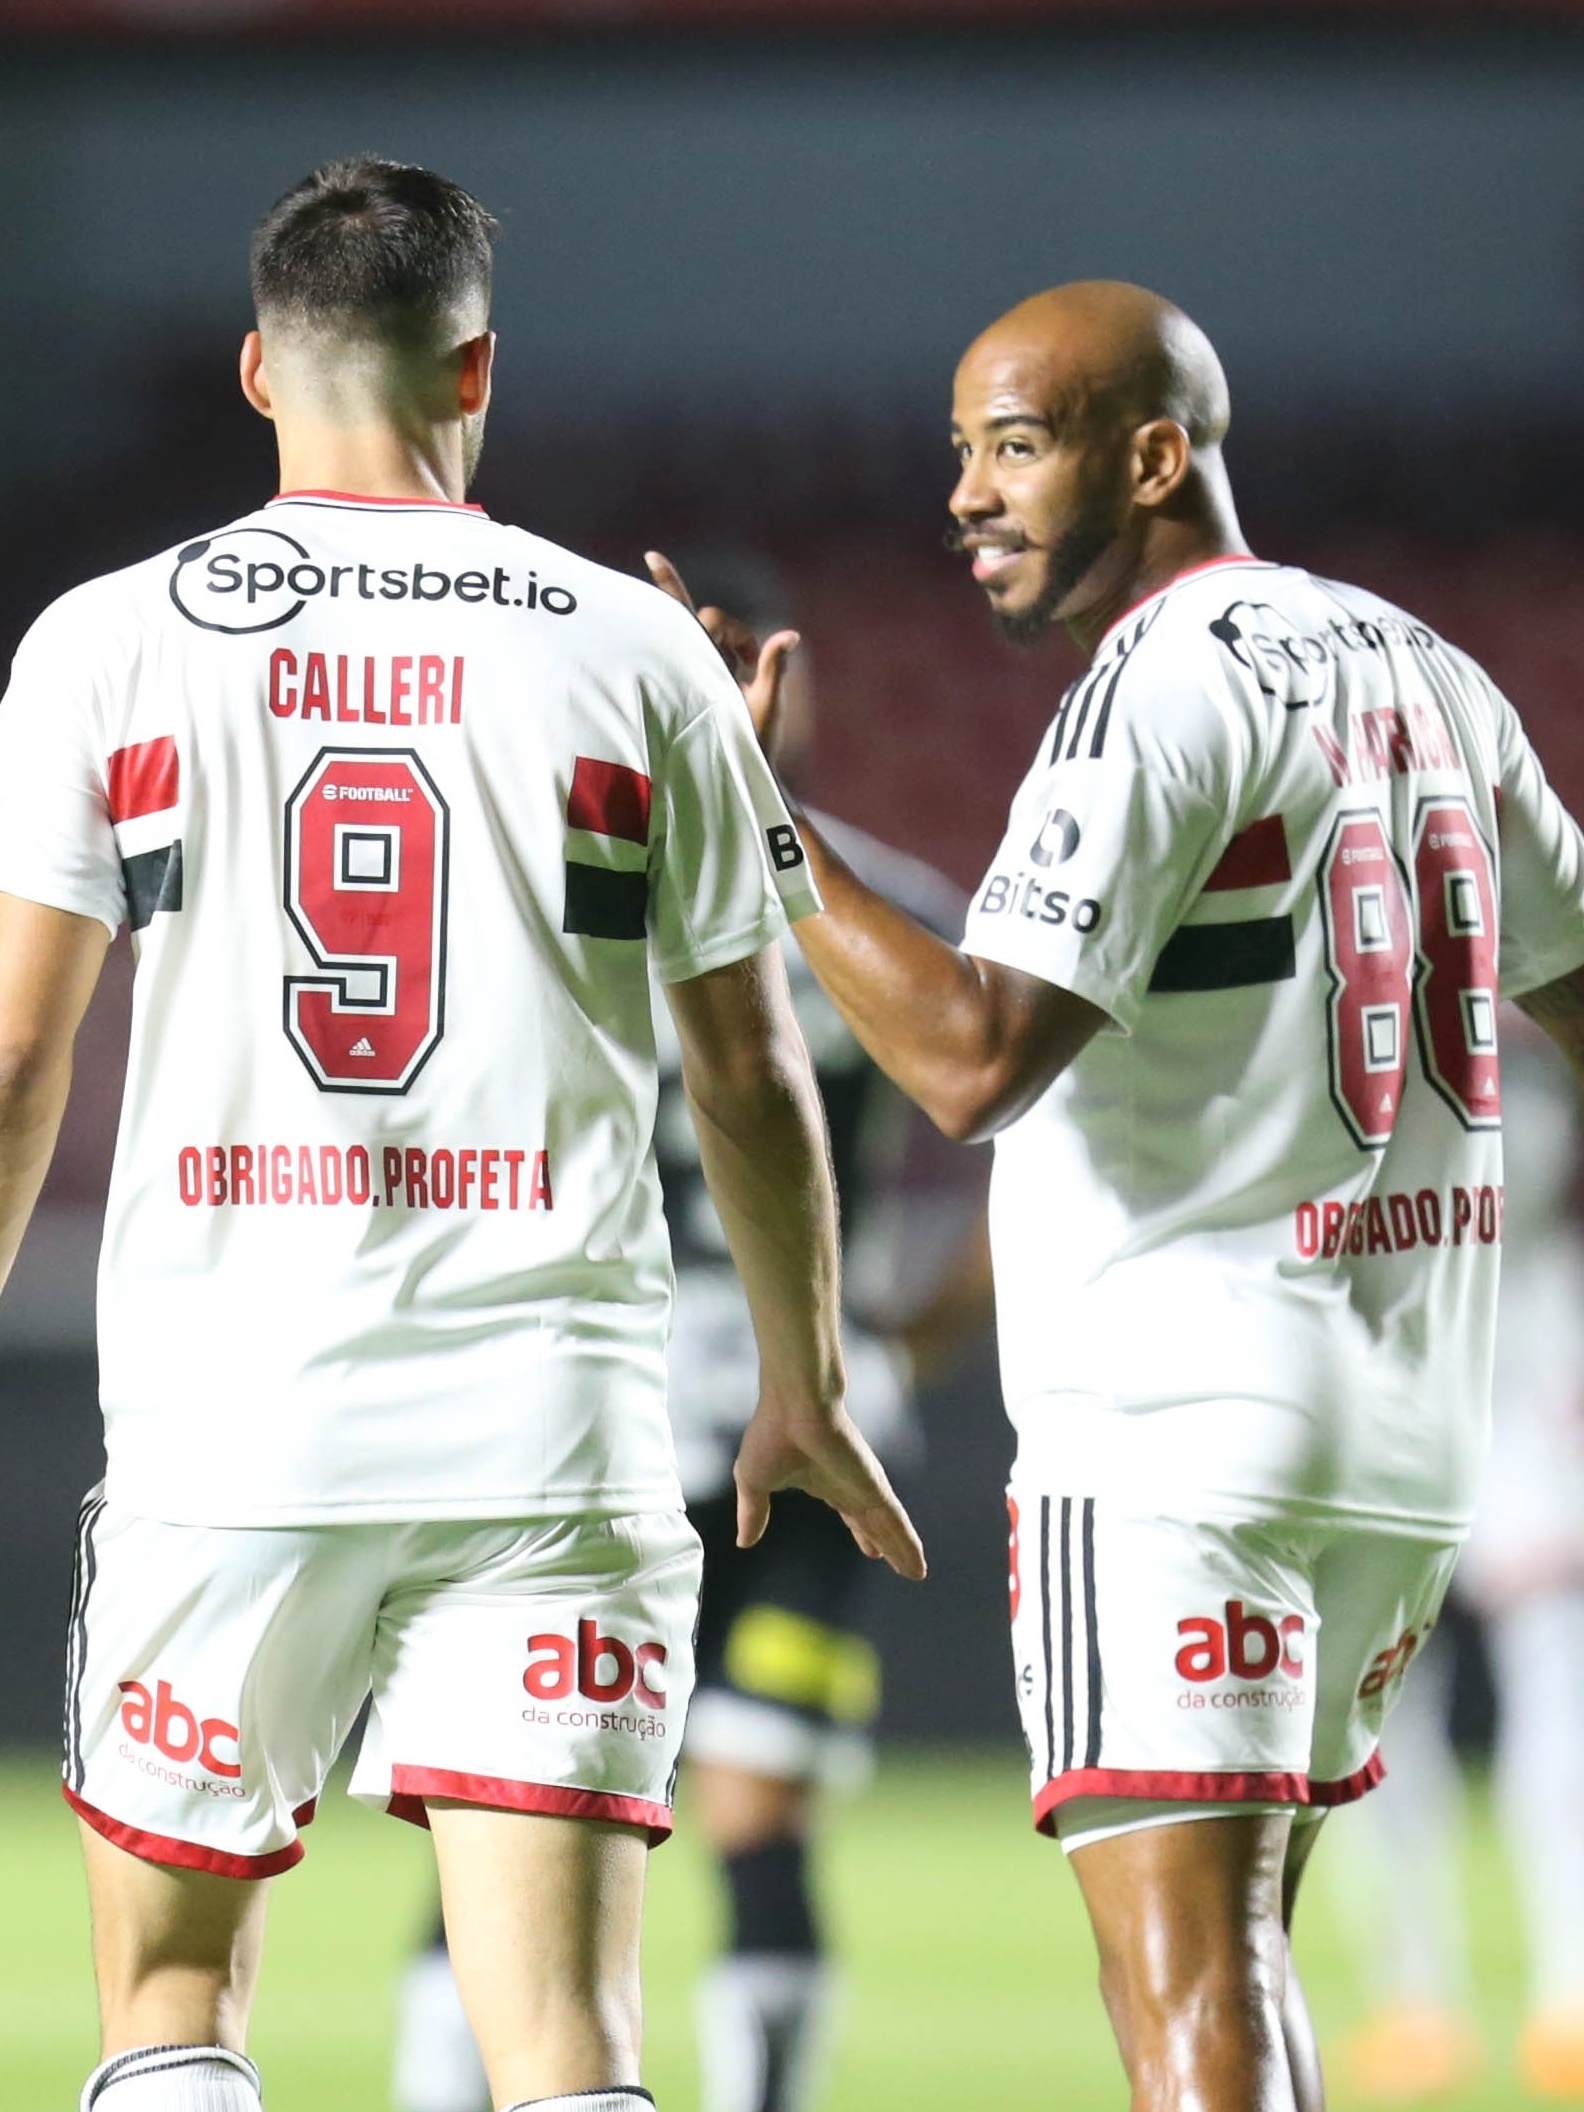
(304, 1814)
(1351, 1787)
(410, 1785)
(367, 498)
(181, 1855)
(1166, 1785)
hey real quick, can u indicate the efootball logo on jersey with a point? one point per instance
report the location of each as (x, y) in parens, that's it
(247, 580)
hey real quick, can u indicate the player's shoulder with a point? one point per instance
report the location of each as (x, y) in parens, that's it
(912, 884)
(1158, 690)
(104, 618)
(623, 604)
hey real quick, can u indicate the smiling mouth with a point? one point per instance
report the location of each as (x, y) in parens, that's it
(991, 561)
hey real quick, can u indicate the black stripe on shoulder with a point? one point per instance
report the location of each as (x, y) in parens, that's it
(153, 881)
(1226, 956)
(602, 904)
(1059, 724)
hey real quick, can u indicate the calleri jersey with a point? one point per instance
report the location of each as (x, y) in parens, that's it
(1246, 1247)
(713, 1358)
(400, 805)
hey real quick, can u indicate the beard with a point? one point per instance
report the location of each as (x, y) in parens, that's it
(1078, 551)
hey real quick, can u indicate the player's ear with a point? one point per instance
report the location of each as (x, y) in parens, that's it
(478, 362)
(1162, 453)
(255, 382)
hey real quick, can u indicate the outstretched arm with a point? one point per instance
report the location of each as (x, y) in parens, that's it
(975, 1043)
(49, 964)
(762, 1147)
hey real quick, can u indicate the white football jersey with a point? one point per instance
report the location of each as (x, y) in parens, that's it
(1246, 1247)
(401, 805)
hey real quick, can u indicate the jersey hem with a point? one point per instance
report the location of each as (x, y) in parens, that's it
(494, 1509)
(188, 1855)
(1218, 1506)
(55, 898)
(411, 1785)
(725, 952)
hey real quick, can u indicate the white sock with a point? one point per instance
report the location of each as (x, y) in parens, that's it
(763, 2024)
(437, 2066)
(626, 2100)
(173, 2079)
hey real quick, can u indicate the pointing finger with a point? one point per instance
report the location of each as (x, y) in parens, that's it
(667, 578)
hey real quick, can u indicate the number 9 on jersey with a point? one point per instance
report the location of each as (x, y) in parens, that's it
(367, 848)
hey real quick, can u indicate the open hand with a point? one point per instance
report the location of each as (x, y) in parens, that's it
(760, 670)
(831, 1460)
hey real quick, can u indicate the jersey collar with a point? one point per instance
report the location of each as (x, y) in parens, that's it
(1211, 564)
(358, 498)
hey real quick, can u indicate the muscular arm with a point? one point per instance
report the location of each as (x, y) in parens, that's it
(49, 964)
(973, 1042)
(1559, 1008)
(762, 1146)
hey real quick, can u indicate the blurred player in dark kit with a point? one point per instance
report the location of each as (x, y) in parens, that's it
(403, 807)
(787, 1679)
(1227, 1000)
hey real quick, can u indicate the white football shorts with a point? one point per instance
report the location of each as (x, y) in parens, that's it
(1206, 1663)
(540, 1665)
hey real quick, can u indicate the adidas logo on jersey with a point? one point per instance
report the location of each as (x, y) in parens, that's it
(362, 1047)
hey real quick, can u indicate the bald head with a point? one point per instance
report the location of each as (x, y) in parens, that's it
(1088, 425)
(1102, 352)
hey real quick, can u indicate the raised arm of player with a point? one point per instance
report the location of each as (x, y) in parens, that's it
(974, 1042)
(761, 1137)
(49, 964)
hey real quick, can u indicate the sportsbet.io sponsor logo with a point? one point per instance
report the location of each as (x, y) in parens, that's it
(256, 579)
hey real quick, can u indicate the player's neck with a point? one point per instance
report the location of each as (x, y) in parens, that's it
(374, 461)
(1166, 548)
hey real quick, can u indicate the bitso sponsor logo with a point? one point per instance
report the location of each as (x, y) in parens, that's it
(253, 579)
(601, 1668)
(180, 1733)
(1263, 1651)
(1059, 836)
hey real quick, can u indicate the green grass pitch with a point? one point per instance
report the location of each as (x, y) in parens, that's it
(970, 1980)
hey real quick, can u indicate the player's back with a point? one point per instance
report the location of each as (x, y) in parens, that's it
(1274, 803)
(402, 801)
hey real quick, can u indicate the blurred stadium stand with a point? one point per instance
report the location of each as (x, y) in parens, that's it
(735, 274)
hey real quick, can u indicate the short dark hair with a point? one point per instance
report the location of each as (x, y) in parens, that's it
(371, 247)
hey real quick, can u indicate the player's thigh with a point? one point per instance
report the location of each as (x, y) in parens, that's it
(212, 1676)
(542, 1666)
(1160, 1663)
(1177, 1907)
(788, 1680)
(1378, 1596)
